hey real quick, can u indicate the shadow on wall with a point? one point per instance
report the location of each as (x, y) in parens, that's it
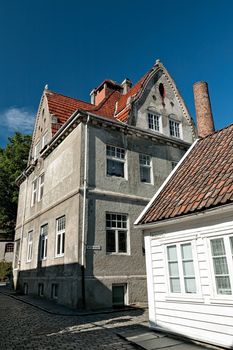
(63, 283)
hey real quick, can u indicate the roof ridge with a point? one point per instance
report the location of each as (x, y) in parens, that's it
(72, 98)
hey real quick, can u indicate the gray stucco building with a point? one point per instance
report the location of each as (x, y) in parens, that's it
(92, 169)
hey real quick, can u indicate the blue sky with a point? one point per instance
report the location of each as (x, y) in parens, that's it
(74, 45)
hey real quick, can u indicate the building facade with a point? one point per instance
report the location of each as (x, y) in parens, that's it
(92, 169)
(188, 230)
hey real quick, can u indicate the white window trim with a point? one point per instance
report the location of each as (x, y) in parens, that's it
(116, 235)
(182, 294)
(180, 129)
(60, 233)
(34, 192)
(159, 121)
(147, 166)
(29, 246)
(124, 161)
(215, 297)
(40, 186)
(44, 236)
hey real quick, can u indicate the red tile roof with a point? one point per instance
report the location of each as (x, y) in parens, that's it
(202, 181)
(113, 106)
(63, 107)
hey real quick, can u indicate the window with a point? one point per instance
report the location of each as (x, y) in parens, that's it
(43, 241)
(34, 192)
(37, 150)
(60, 236)
(153, 122)
(9, 248)
(29, 250)
(145, 168)
(174, 164)
(54, 291)
(115, 161)
(16, 262)
(181, 268)
(174, 128)
(221, 260)
(116, 233)
(41, 187)
(44, 140)
(41, 289)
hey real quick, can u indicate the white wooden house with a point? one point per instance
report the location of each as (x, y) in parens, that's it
(188, 228)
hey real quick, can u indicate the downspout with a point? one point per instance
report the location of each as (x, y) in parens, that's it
(22, 228)
(83, 256)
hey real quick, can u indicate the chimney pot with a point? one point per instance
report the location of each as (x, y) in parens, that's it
(205, 122)
(126, 84)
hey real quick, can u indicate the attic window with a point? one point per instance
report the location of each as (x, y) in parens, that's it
(161, 90)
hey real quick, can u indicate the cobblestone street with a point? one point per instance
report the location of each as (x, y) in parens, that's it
(26, 327)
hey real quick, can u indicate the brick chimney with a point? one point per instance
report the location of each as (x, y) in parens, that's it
(104, 90)
(205, 122)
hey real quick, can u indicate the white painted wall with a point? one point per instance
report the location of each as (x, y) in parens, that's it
(206, 315)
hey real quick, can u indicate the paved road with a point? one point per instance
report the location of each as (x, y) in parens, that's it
(25, 327)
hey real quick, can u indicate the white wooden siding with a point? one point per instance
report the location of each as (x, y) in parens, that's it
(199, 316)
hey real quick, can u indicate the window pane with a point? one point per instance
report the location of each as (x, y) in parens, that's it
(231, 240)
(220, 266)
(188, 268)
(217, 247)
(115, 168)
(173, 269)
(122, 240)
(186, 251)
(175, 285)
(223, 285)
(190, 285)
(58, 244)
(110, 241)
(171, 251)
(63, 243)
(145, 174)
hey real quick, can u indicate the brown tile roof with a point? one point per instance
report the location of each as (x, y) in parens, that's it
(202, 181)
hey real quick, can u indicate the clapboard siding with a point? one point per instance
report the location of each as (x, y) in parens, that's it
(198, 316)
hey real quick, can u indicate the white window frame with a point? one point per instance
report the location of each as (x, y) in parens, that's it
(154, 122)
(29, 246)
(116, 230)
(229, 259)
(60, 234)
(147, 165)
(174, 128)
(34, 192)
(37, 150)
(44, 140)
(116, 156)
(44, 238)
(41, 187)
(181, 271)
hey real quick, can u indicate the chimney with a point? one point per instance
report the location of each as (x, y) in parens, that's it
(126, 85)
(104, 90)
(205, 122)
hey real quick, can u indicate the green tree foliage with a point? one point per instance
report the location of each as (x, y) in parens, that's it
(5, 270)
(13, 160)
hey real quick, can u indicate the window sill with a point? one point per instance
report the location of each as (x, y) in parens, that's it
(59, 256)
(222, 301)
(108, 253)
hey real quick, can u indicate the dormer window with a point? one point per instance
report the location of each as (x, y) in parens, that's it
(174, 129)
(154, 122)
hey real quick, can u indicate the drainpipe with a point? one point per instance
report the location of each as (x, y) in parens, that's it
(83, 256)
(22, 228)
